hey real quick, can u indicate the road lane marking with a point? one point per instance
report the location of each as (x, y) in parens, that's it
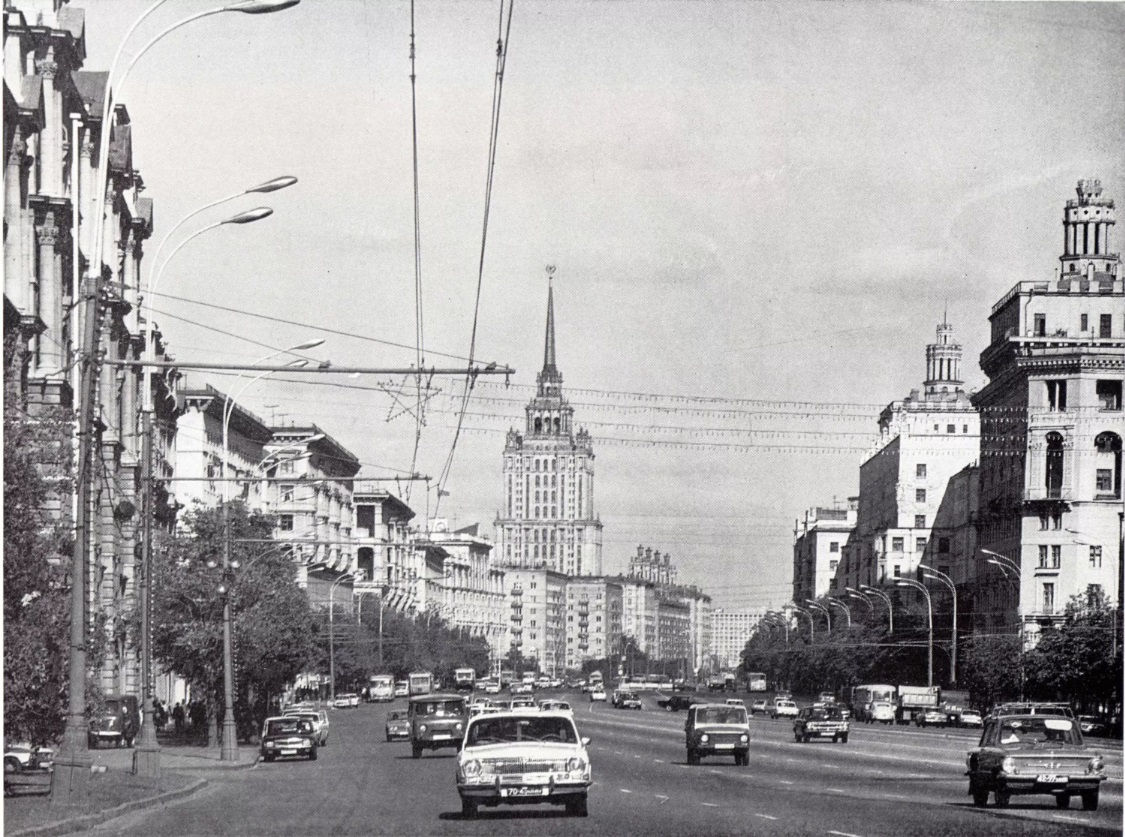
(765, 816)
(1066, 819)
(636, 756)
(661, 797)
(710, 804)
(843, 833)
(659, 761)
(625, 790)
(785, 782)
(720, 772)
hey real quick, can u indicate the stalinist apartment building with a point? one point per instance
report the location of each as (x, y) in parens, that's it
(548, 518)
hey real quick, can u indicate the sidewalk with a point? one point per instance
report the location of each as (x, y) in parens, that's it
(114, 790)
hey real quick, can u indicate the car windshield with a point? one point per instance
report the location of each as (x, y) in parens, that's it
(440, 707)
(288, 726)
(396, 716)
(721, 715)
(311, 717)
(515, 729)
(1039, 730)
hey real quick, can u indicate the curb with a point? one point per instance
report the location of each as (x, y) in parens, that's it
(87, 821)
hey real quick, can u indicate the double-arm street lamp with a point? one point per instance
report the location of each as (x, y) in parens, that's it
(839, 603)
(1008, 565)
(917, 585)
(812, 625)
(863, 597)
(938, 575)
(883, 596)
(70, 783)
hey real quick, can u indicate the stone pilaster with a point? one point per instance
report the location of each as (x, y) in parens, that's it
(50, 302)
(17, 283)
(50, 139)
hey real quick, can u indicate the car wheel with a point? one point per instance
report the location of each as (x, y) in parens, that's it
(1062, 800)
(1003, 798)
(267, 758)
(468, 808)
(312, 754)
(388, 737)
(692, 757)
(1090, 800)
(416, 752)
(576, 807)
(12, 765)
(844, 738)
(980, 794)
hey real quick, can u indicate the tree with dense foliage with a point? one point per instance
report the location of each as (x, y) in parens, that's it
(272, 622)
(990, 669)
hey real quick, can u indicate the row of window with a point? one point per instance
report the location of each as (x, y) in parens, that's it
(1105, 323)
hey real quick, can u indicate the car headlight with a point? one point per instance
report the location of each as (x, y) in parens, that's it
(703, 739)
(458, 727)
(576, 763)
(421, 727)
(1097, 765)
(744, 738)
(1008, 765)
(471, 769)
(270, 745)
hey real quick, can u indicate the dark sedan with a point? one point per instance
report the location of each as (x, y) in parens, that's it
(288, 737)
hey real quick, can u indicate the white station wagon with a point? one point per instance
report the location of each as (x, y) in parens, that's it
(523, 757)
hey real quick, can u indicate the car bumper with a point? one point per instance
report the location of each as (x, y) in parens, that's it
(523, 793)
(1032, 785)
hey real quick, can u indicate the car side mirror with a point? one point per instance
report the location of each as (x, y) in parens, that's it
(585, 741)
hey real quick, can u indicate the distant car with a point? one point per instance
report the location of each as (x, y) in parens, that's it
(597, 693)
(556, 683)
(1034, 754)
(683, 686)
(398, 725)
(550, 705)
(402, 688)
(784, 709)
(522, 688)
(735, 702)
(492, 688)
(821, 721)
(627, 700)
(319, 719)
(551, 763)
(759, 706)
(288, 737)
(931, 717)
(117, 724)
(522, 701)
(882, 712)
(19, 758)
(714, 729)
(436, 721)
(970, 718)
(678, 702)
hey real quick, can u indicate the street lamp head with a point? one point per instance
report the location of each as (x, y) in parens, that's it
(273, 185)
(308, 344)
(297, 364)
(249, 216)
(262, 7)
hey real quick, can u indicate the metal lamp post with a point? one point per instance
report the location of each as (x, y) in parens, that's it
(840, 604)
(70, 783)
(1007, 565)
(917, 585)
(875, 591)
(229, 751)
(863, 597)
(332, 638)
(827, 613)
(938, 575)
(812, 625)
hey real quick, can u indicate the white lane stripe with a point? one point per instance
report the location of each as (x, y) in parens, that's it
(843, 833)
(720, 772)
(785, 783)
(625, 790)
(835, 790)
(765, 816)
(710, 804)
(1066, 819)
(659, 761)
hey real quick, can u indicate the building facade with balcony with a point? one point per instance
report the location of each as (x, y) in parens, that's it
(1050, 469)
(548, 519)
(593, 620)
(536, 604)
(924, 440)
(819, 542)
(384, 547)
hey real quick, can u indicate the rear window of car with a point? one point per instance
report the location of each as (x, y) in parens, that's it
(514, 729)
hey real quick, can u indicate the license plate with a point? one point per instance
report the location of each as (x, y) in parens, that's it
(1051, 779)
(724, 746)
(288, 752)
(525, 791)
(441, 736)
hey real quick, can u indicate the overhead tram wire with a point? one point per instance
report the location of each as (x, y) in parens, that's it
(419, 403)
(502, 39)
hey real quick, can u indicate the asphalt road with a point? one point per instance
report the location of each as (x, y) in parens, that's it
(886, 781)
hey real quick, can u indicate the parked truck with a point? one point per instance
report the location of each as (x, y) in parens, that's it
(911, 699)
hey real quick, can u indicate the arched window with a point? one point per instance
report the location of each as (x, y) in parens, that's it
(1107, 457)
(538, 425)
(1054, 464)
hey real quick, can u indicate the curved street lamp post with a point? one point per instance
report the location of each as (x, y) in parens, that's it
(886, 599)
(938, 575)
(917, 585)
(827, 613)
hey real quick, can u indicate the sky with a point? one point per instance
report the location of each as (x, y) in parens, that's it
(757, 214)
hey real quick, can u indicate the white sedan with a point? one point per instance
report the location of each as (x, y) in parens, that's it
(598, 694)
(785, 709)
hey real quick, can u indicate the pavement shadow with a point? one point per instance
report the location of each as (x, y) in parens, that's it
(504, 814)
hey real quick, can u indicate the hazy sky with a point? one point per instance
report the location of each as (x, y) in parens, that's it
(758, 213)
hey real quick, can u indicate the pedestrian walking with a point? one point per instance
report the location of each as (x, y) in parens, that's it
(178, 717)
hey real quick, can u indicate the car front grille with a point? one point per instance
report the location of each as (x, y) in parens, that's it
(508, 767)
(715, 738)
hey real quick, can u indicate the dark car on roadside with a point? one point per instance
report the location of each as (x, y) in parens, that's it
(1034, 754)
(116, 724)
(627, 700)
(678, 702)
(288, 737)
(717, 729)
(398, 725)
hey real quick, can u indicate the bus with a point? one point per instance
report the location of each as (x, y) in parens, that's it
(464, 679)
(380, 687)
(420, 683)
(756, 681)
(864, 696)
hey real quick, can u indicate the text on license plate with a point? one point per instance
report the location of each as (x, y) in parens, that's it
(724, 746)
(525, 791)
(1050, 779)
(442, 736)
(288, 752)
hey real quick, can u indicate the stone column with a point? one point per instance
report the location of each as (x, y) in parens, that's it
(50, 141)
(50, 296)
(18, 284)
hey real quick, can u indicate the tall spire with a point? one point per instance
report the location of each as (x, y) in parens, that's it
(549, 347)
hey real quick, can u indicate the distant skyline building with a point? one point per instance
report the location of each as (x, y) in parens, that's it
(548, 518)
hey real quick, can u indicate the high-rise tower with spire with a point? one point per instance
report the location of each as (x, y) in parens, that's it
(548, 517)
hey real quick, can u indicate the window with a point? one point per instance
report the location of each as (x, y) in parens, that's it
(1056, 556)
(1109, 395)
(1084, 322)
(920, 545)
(919, 495)
(920, 470)
(898, 571)
(1105, 480)
(1043, 517)
(1040, 325)
(1042, 556)
(1107, 461)
(834, 546)
(285, 522)
(1048, 597)
(897, 544)
(1056, 395)
(951, 428)
(1095, 557)
(1105, 325)
(919, 521)
(943, 545)
(285, 467)
(1093, 594)
(832, 565)
(287, 493)
(1054, 464)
